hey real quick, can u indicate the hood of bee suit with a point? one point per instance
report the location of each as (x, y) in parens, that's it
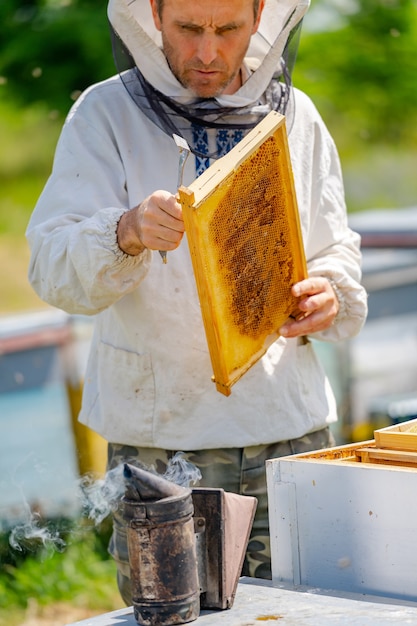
(133, 23)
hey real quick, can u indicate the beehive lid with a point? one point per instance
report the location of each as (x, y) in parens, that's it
(243, 229)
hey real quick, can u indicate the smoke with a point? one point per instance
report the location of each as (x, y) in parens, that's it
(98, 499)
(29, 535)
(181, 471)
(33, 532)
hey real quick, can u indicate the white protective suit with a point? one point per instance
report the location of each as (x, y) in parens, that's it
(148, 381)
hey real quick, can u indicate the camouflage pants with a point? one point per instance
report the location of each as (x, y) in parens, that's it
(239, 470)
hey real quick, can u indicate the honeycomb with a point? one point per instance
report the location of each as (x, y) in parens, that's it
(242, 225)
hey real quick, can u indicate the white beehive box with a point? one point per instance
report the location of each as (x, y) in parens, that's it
(340, 523)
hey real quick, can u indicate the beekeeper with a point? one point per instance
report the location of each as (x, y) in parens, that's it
(207, 71)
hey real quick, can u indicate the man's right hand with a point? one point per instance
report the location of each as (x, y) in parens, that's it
(156, 224)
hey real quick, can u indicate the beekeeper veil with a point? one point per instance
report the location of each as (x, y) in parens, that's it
(137, 46)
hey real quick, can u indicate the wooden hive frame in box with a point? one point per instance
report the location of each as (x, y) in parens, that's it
(243, 230)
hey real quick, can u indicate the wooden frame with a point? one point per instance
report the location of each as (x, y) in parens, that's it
(398, 437)
(243, 228)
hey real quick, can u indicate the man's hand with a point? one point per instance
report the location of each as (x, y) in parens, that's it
(317, 308)
(156, 223)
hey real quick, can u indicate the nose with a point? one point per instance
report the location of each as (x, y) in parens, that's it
(207, 48)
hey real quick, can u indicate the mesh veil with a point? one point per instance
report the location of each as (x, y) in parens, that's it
(172, 116)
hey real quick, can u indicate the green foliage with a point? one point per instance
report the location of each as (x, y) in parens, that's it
(53, 49)
(362, 75)
(28, 139)
(82, 572)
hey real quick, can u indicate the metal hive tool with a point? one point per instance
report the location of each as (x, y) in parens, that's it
(184, 151)
(242, 224)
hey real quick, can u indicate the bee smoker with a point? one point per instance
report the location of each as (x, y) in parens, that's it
(179, 542)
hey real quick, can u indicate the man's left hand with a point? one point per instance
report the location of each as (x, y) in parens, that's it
(317, 308)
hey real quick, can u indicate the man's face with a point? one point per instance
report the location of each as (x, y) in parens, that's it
(205, 41)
